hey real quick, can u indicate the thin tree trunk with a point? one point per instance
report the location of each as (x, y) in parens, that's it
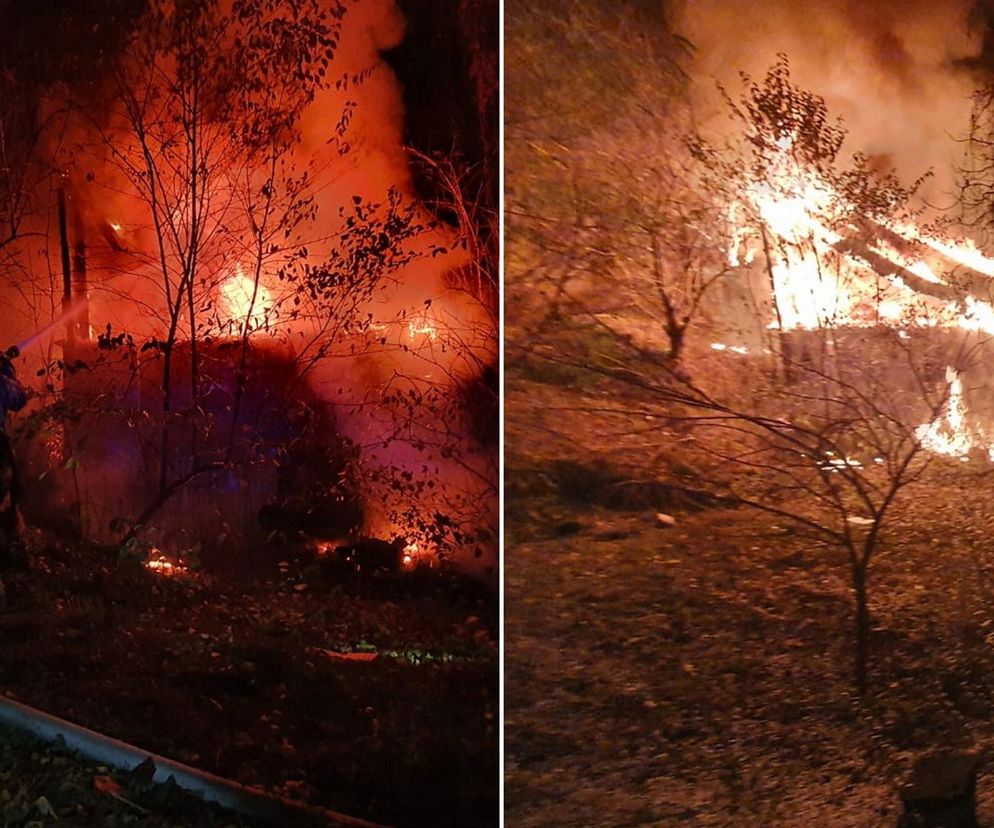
(66, 267)
(195, 218)
(194, 374)
(167, 385)
(241, 377)
(675, 327)
(862, 629)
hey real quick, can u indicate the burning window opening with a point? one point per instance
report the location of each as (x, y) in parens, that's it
(422, 329)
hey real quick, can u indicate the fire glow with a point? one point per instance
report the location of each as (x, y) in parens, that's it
(244, 302)
(161, 565)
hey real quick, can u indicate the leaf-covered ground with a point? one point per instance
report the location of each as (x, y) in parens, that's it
(45, 784)
(701, 673)
(375, 697)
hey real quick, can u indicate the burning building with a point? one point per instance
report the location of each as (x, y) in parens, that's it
(237, 228)
(828, 260)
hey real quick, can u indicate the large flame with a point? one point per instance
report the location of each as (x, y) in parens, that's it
(243, 302)
(862, 286)
(817, 281)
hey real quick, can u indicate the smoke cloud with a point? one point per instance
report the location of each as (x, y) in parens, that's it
(894, 70)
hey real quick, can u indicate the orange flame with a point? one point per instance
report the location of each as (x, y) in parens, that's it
(948, 434)
(163, 566)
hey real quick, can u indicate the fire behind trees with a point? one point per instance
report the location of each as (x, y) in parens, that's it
(270, 342)
(714, 305)
(238, 178)
(765, 239)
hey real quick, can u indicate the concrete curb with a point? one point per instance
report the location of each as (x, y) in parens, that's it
(248, 801)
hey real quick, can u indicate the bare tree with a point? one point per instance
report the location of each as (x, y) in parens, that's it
(609, 76)
(204, 105)
(831, 441)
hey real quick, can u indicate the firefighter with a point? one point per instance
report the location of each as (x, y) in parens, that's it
(13, 397)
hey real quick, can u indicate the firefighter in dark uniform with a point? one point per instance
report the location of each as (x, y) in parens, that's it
(13, 397)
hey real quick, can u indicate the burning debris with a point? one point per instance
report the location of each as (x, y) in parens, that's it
(949, 434)
(163, 565)
(735, 349)
(373, 555)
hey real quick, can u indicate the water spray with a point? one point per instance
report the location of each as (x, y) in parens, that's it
(67, 315)
(8, 356)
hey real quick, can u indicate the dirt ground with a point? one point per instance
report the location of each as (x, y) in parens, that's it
(702, 673)
(375, 696)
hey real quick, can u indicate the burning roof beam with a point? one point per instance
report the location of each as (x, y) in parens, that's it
(967, 279)
(961, 282)
(889, 270)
